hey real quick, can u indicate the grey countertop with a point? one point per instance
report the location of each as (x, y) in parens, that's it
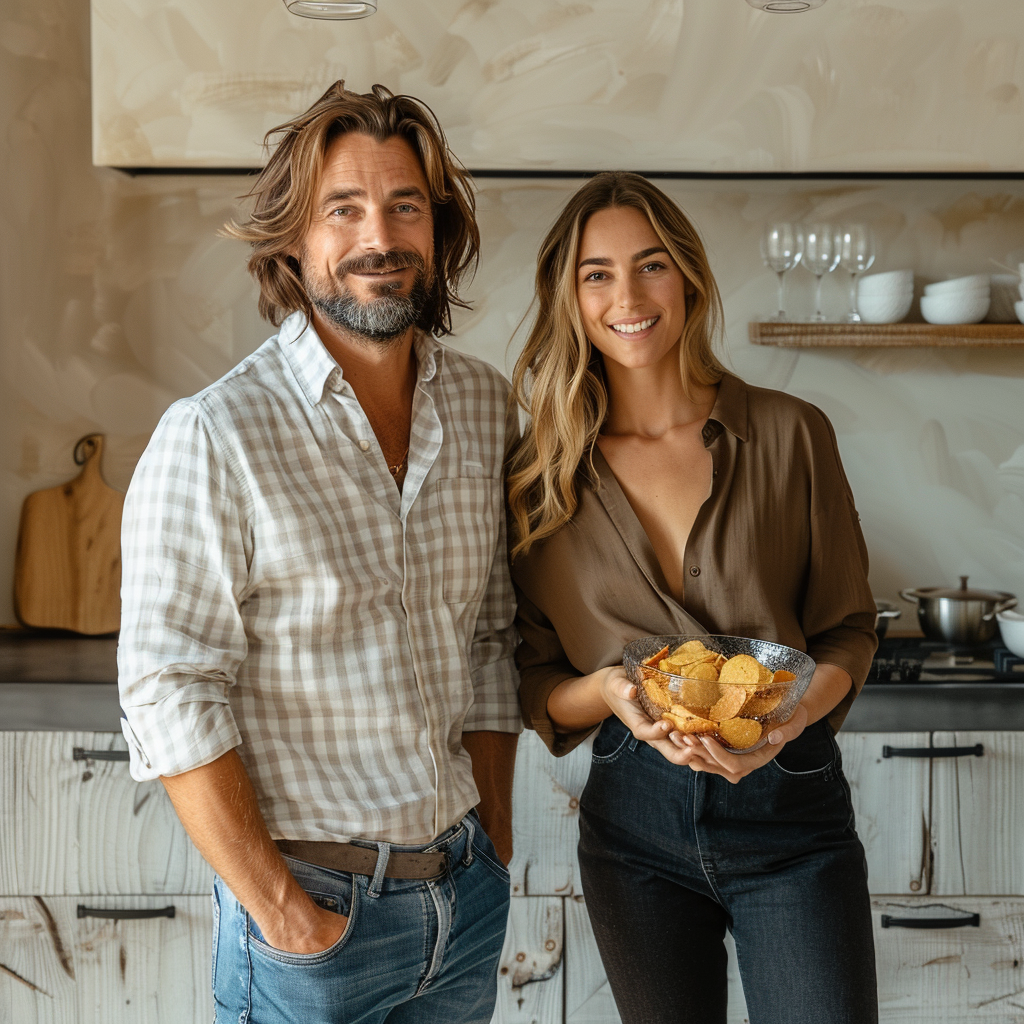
(39, 656)
(923, 707)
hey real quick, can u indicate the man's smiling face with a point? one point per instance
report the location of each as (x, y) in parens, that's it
(367, 257)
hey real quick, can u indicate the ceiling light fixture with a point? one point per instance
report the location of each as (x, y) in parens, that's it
(785, 6)
(333, 10)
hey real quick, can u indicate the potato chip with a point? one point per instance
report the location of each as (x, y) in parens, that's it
(656, 695)
(783, 676)
(687, 722)
(720, 660)
(739, 733)
(655, 658)
(765, 676)
(728, 705)
(697, 695)
(741, 669)
(761, 702)
(692, 650)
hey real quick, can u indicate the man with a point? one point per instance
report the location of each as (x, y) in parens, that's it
(316, 636)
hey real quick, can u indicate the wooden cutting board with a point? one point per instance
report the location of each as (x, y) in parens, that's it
(67, 571)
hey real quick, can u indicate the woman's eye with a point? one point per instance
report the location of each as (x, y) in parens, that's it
(653, 266)
(595, 276)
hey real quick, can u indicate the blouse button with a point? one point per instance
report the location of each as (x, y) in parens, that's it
(694, 570)
(365, 445)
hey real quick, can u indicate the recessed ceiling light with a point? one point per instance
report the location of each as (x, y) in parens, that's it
(785, 6)
(331, 10)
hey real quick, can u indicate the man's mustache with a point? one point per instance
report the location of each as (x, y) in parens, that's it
(380, 262)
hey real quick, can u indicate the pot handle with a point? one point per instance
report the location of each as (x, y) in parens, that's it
(909, 595)
(1002, 606)
(889, 613)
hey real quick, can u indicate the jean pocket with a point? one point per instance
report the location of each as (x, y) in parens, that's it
(333, 901)
(610, 741)
(483, 850)
(814, 754)
(215, 900)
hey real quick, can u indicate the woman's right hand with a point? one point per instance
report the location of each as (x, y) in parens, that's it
(619, 693)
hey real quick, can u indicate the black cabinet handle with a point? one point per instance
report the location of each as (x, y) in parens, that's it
(81, 754)
(968, 921)
(124, 915)
(977, 750)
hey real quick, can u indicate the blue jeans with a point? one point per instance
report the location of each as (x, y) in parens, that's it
(670, 858)
(413, 951)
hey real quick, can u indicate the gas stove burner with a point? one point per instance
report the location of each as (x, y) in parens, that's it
(912, 660)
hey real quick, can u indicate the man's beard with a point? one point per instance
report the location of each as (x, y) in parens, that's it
(381, 319)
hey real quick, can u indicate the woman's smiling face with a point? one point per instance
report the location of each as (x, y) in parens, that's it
(631, 294)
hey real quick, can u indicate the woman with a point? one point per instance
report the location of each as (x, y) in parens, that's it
(655, 493)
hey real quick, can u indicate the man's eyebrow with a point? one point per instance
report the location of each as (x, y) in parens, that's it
(341, 194)
(603, 261)
(409, 192)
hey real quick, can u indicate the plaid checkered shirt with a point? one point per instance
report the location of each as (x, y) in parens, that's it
(280, 595)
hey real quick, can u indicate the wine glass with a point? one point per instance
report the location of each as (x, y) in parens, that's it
(856, 254)
(781, 247)
(821, 255)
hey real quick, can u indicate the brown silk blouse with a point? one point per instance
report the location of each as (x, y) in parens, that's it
(776, 552)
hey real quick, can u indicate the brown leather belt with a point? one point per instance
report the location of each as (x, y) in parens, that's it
(362, 860)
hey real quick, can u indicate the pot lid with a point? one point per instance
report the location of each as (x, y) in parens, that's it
(962, 593)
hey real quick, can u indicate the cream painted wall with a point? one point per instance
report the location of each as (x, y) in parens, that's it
(117, 296)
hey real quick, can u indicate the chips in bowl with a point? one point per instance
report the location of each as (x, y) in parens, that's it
(733, 688)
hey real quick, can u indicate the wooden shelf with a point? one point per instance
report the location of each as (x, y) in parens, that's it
(808, 335)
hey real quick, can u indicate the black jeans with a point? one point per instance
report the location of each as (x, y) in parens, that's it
(670, 858)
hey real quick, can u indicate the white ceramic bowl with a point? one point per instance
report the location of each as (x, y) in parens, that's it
(885, 307)
(1019, 310)
(1004, 295)
(957, 284)
(957, 308)
(1011, 626)
(889, 280)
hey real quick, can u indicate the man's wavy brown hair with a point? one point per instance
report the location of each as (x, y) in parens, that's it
(286, 189)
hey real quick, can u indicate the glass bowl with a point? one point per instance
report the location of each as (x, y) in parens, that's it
(702, 703)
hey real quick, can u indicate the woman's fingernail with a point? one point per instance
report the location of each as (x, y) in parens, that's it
(775, 738)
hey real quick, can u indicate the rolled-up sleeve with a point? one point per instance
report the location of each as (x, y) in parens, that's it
(838, 610)
(185, 551)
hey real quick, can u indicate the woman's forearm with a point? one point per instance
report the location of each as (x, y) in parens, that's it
(579, 703)
(829, 685)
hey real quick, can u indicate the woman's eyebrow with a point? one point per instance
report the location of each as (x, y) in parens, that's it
(603, 261)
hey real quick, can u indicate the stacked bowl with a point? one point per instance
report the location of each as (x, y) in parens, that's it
(963, 300)
(1019, 306)
(885, 298)
(1004, 296)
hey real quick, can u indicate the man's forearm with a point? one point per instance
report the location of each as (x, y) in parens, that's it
(218, 807)
(494, 758)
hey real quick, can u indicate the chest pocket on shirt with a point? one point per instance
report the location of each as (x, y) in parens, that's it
(470, 507)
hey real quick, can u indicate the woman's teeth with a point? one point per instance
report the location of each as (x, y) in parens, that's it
(633, 328)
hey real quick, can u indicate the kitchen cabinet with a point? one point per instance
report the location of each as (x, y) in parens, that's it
(57, 967)
(939, 833)
(705, 86)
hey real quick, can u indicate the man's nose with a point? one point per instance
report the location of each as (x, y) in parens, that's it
(376, 231)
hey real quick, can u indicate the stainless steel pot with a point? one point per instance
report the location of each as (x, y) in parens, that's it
(961, 615)
(884, 611)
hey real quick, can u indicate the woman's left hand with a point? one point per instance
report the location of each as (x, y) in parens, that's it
(708, 755)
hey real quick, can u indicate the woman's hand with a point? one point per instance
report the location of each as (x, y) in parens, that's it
(619, 693)
(708, 755)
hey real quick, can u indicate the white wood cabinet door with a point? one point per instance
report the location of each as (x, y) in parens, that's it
(545, 818)
(891, 803)
(531, 981)
(950, 975)
(58, 968)
(978, 814)
(85, 826)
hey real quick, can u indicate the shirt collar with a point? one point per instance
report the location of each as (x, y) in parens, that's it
(316, 369)
(729, 410)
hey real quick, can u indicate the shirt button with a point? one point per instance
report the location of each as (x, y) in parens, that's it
(694, 570)
(365, 445)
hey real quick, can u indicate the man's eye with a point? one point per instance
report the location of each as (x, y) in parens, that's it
(341, 211)
(406, 208)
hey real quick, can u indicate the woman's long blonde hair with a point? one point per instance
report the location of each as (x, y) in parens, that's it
(559, 377)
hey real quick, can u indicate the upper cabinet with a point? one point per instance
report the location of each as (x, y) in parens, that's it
(672, 85)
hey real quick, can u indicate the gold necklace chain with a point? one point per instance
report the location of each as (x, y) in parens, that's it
(397, 468)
